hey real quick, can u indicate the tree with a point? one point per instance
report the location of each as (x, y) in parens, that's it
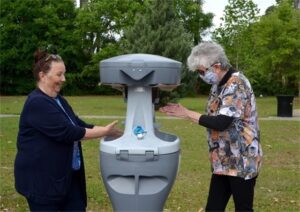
(277, 49)
(239, 15)
(100, 26)
(101, 22)
(82, 36)
(192, 17)
(27, 25)
(158, 31)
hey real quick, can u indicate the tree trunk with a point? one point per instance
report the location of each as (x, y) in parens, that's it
(297, 4)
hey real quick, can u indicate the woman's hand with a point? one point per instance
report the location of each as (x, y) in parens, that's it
(177, 110)
(112, 130)
(99, 131)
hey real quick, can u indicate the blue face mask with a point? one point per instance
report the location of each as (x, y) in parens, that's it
(210, 77)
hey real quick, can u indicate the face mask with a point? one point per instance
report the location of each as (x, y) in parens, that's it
(210, 77)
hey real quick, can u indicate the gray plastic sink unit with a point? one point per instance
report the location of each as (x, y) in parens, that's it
(140, 69)
(140, 167)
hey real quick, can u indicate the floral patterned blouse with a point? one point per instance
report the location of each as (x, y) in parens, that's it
(235, 151)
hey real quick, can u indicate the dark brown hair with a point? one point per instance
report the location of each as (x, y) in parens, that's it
(42, 62)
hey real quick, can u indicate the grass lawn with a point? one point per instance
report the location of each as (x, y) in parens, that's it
(277, 187)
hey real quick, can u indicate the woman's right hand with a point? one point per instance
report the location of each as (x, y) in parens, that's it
(176, 110)
(99, 131)
(112, 130)
(179, 111)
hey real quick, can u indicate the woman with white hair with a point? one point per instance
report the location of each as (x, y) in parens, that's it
(232, 128)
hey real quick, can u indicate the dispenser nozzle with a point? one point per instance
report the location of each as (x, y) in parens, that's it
(139, 132)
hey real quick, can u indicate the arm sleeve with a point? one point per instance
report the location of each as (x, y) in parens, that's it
(44, 116)
(83, 124)
(219, 122)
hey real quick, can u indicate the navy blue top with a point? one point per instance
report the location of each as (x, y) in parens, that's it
(43, 165)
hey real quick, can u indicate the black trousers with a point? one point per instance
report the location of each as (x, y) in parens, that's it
(74, 201)
(222, 187)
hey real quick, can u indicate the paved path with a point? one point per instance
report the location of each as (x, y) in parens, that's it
(296, 117)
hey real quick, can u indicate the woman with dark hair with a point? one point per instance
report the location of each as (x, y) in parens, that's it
(232, 128)
(49, 166)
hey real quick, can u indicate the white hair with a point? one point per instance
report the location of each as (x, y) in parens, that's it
(206, 54)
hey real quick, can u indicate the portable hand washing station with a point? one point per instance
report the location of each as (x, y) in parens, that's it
(140, 167)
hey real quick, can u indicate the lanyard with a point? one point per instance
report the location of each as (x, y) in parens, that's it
(60, 105)
(76, 153)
